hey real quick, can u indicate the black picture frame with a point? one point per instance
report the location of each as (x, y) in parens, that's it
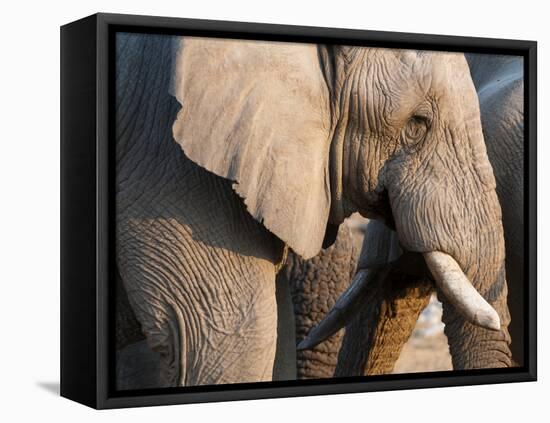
(87, 210)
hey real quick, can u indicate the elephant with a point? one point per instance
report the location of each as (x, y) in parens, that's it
(376, 333)
(230, 153)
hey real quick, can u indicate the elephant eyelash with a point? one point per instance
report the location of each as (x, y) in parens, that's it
(420, 119)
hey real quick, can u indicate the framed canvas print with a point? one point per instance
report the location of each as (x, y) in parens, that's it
(255, 211)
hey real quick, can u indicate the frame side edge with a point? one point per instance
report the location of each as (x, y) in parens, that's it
(78, 211)
(532, 218)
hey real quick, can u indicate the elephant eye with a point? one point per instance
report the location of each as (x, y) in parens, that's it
(415, 130)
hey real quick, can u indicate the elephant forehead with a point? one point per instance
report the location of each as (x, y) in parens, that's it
(388, 83)
(450, 72)
(428, 69)
(444, 77)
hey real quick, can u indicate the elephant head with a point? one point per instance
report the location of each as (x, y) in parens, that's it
(310, 134)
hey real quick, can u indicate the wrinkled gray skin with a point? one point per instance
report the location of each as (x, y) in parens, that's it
(375, 337)
(308, 135)
(316, 284)
(138, 367)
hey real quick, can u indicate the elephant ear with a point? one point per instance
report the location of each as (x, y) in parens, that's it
(257, 113)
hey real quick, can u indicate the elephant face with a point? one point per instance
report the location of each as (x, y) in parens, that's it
(310, 134)
(425, 130)
(412, 147)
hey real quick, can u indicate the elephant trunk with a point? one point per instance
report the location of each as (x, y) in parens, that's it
(375, 337)
(473, 346)
(482, 259)
(478, 335)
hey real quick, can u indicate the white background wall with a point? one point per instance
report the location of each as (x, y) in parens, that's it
(29, 209)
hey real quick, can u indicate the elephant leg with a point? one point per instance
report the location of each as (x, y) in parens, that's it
(200, 277)
(207, 331)
(375, 337)
(316, 284)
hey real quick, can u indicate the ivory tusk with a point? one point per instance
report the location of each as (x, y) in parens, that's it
(460, 292)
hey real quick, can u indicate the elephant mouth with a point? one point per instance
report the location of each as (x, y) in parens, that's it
(438, 266)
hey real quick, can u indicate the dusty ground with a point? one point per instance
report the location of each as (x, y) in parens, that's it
(427, 348)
